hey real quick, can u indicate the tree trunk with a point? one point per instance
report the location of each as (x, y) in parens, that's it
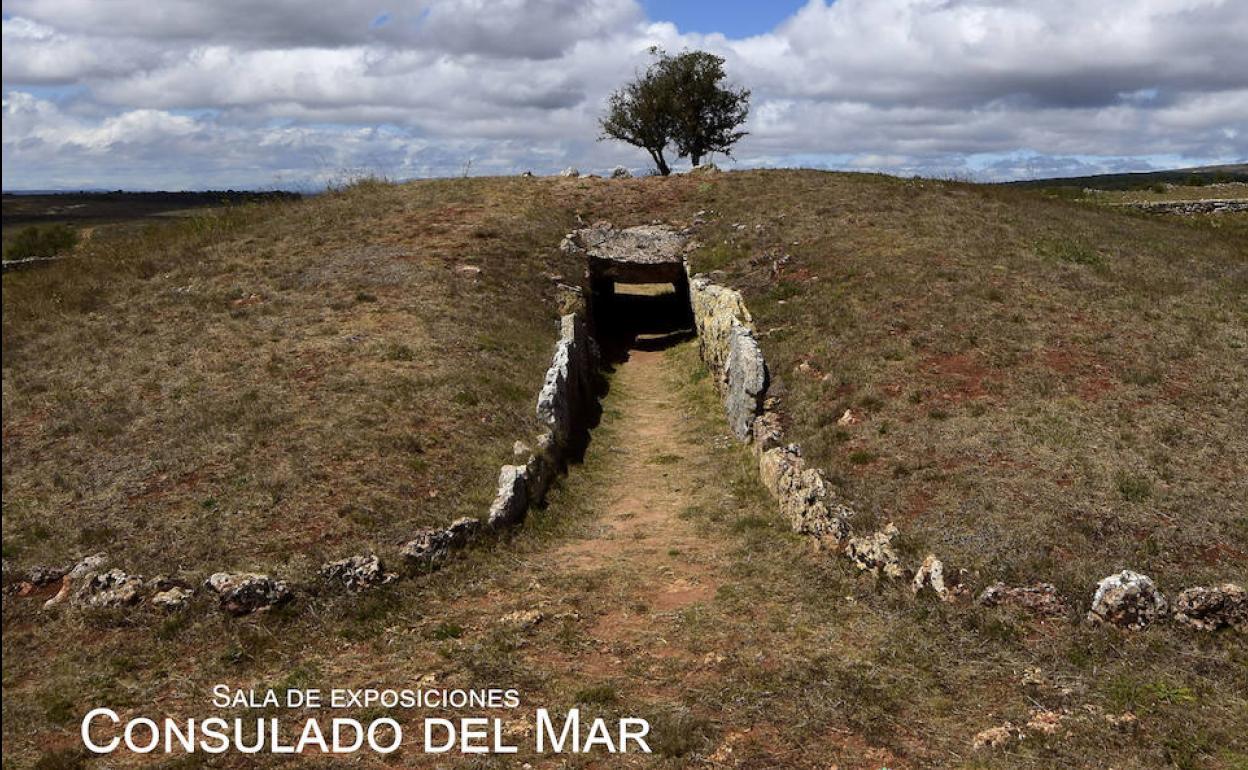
(696, 158)
(660, 162)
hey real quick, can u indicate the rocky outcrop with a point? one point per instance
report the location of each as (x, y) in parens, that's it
(243, 593)
(1040, 599)
(1213, 607)
(1128, 600)
(571, 172)
(619, 172)
(356, 573)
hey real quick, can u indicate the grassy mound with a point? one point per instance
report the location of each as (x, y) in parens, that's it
(1036, 389)
(280, 383)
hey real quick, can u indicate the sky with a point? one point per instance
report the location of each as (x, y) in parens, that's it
(196, 94)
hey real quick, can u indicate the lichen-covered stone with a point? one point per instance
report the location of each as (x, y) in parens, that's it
(1040, 599)
(462, 531)
(242, 593)
(567, 391)
(874, 553)
(745, 381)
(356, 573)
(427, 550)
(931, 575)
(113, 588)
(173, 599)
(803, 495)
(42, 575)
(1128, 600)
(512, 500)
(1213, 607)
(716, 311)
(80, 572)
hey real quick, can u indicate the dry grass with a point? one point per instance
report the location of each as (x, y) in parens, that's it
(278, 384)
(1041, 389)
(1057, 352)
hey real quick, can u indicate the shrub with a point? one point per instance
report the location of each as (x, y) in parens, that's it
(49, 241)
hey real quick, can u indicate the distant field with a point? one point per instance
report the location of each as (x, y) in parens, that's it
(1192, 177)
(91, 213)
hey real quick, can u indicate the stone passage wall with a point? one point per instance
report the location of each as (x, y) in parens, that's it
(564, 406)
(728, 347)
(807, 502)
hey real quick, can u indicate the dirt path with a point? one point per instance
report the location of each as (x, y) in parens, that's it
(649, 482)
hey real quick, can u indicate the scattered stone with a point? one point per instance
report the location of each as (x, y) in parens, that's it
(522, 619)
(427, 550)
(571, 172)
(431, 547)
(1046, 722)
(619, 172)
(462, 531)
(42, 575)
(931, 574)
(173, 599)
(470, 271)
(1040, 599)
(995, 737)
(357, 573)
(113, 588)
(707, 168)
(1128, 600)
(521, 450)
(80, 572)
(88, 565)
(527, 174)
(242, 593)
(1213, 607)
(848, 418)
(874, 553)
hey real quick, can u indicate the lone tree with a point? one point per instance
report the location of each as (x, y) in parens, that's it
(678, 100)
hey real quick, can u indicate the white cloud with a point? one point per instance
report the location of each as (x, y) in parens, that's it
(186, 90)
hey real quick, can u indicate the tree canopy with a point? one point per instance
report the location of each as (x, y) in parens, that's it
(679, 100)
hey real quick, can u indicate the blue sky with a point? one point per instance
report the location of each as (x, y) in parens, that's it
(739, 18)
(296, 93)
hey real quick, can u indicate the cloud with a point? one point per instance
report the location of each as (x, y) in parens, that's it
(182, 91)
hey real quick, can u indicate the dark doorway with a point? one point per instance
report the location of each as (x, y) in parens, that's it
(651, 316)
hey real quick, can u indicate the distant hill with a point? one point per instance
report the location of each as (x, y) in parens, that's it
(1200, 175)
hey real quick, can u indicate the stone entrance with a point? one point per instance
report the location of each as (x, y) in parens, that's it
(646, 254)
